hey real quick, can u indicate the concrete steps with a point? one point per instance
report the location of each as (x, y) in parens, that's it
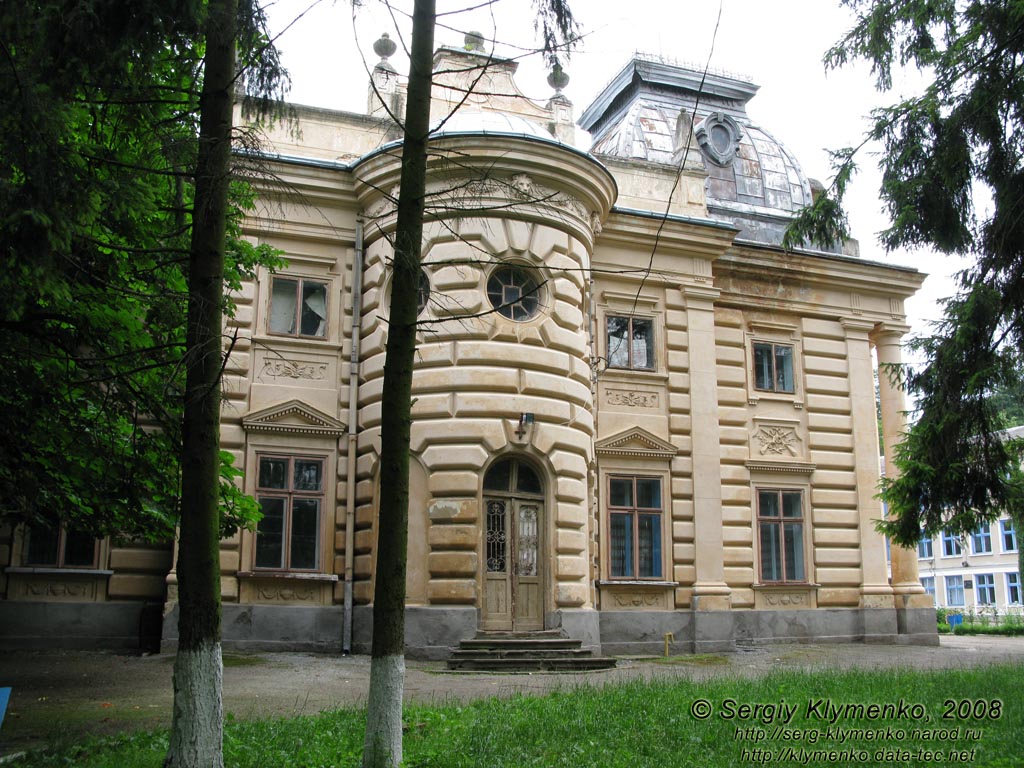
(546, 651)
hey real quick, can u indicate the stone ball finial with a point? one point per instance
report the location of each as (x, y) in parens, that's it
(474, 41)
(558, 78)
(385, 46)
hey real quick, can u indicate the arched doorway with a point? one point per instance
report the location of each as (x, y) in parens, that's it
(513, 565)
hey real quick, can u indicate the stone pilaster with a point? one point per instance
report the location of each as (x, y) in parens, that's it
(710, 592)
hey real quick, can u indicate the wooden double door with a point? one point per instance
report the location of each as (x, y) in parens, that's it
(513, 567)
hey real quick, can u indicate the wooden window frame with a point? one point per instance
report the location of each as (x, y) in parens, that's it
(780, 521)
(61, 560)
(300, 281)
(290, 494)
(630, 364)
(773, 345)
(635, 511)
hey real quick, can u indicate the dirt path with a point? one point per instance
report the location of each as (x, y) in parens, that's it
(63, 694)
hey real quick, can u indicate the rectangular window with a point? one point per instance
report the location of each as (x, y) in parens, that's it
(981, 540)
(780, 521)
(950, 545)
(928, 582)
(954, 590)
(60, 548)
(1008, 535)
(630, 343)
(1013, 589)
(290, 490)
(773, 367)
(298, 307)
(985, 589)
(634, 508)
(924, 547)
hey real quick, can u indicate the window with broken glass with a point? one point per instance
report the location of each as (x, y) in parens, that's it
(630, 342)
(298, 307)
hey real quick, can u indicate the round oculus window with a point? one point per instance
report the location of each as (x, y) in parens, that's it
(514, 293)
(422, 292)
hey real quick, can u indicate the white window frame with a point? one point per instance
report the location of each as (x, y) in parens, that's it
(925, 542)
(948, 538)
(928, 582)
(1007, 529)
(1013, 585)
(988, 589)
(950, 583)
(982, 535)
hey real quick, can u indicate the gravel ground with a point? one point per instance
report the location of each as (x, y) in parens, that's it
(63, 694)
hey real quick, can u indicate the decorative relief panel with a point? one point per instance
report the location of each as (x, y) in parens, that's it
(303, 594)
(638, 600)
(314, 589)
(777, 441)
(631, 398)
(785, 598)
(278, 368)
(41, 588)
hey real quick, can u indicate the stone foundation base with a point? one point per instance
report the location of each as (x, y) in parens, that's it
(112, 625)
(432, 631)
(644, 632)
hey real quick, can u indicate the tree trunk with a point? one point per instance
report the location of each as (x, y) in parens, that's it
(383, 745)
(197, 727)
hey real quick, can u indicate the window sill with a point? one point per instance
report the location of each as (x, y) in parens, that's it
(635, 583)
(305, 342)
(290, 575)
(49, 570)
(632, 375)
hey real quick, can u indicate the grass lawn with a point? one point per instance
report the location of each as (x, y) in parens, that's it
(951, 717)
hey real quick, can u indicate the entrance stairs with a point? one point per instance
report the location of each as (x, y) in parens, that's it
(543, 651)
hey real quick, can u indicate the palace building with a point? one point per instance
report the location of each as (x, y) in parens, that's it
(634, 412)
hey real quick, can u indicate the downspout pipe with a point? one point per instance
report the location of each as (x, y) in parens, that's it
(352, 436)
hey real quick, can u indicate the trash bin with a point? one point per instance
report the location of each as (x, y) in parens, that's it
(954, 620)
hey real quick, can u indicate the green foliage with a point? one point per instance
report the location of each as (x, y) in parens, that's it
(959, 137)
(629, 725)
(97, 146)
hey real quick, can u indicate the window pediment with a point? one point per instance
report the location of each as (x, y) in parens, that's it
(293, 417)
(636, 443)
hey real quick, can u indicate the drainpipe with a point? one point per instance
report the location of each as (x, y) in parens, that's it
(353, 434)
(595, 480)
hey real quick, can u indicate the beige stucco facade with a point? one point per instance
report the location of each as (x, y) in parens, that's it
(596, 444)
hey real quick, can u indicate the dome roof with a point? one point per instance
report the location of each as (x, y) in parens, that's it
(754, 182)
(466, 121)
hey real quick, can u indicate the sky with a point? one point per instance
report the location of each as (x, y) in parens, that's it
(778, 44)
